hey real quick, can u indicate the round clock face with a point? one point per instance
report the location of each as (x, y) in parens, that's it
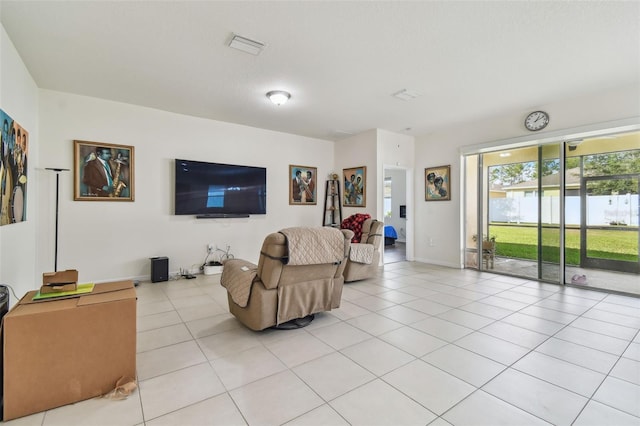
(537, 120)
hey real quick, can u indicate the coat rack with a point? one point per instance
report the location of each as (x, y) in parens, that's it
(55, 262)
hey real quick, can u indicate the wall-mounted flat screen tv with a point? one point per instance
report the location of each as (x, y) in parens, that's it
(219, 190)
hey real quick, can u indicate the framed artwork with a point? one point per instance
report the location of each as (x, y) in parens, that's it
(103, 171)
(303, 185)
(355, 187)
(437, 183)
(14, 145)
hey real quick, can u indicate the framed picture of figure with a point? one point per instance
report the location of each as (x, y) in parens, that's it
(355, 187)
(303, 185)
(103, 171)
(437, 183)
(14, 141)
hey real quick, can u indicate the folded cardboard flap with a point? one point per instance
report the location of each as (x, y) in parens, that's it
(53, 282)
(57, 288)
(60, 277)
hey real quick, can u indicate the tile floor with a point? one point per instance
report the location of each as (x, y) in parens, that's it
(418, 345)
(614, 281)
(395, 253)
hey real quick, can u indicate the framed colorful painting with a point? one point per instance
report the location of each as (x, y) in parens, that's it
(103, 171)
(355, 187)
(303, 185)
(437, 183)
(14, 142)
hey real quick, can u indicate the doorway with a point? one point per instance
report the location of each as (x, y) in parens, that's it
(395, 215)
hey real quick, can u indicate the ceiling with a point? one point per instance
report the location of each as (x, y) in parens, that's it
(341, 61)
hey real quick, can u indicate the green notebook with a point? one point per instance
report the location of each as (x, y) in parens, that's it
(81, 289)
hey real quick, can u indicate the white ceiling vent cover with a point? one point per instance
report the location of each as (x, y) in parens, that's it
(246, 45)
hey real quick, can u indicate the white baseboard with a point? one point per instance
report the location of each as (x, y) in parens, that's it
(440, 263)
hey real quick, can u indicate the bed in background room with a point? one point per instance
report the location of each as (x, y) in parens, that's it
(390, 235)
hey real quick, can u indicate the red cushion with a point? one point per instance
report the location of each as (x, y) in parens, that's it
(354, 223)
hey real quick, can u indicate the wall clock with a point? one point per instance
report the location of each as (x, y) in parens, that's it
(537, 120)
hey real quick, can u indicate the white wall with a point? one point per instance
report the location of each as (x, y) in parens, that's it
(374, 149)
(110, 240)
(398, 151)
(357, 151)
(440, 220)
(19, 99)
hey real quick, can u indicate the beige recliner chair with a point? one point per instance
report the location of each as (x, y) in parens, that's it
(299, 273)
(364, 257)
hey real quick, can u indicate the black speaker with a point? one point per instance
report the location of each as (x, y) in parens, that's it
(159, 269)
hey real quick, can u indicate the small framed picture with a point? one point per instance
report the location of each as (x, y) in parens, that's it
(103, 171)
(303, 185)
(437, 181)
(355, 187)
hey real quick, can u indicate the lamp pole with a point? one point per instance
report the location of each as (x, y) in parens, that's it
(57, 171)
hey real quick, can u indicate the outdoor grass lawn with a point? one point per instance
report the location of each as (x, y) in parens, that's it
(521, 242)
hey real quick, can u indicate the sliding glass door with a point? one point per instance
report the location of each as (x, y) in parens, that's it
(550, 224)
(609, 230)
(510, 213)
(561, 212)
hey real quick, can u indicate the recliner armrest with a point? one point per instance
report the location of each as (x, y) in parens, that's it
(362, 253)
(238, 277)
(238, 264)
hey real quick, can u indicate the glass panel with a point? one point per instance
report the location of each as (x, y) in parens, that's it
(550, 212)
(612, 220)
(471, 211)
(512, 210)
(601, 198)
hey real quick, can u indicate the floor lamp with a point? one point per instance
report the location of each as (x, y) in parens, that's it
(55, 264)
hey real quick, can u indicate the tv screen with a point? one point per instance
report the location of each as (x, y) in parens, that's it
(218, 190)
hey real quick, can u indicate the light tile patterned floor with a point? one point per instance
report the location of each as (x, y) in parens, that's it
(418, 345)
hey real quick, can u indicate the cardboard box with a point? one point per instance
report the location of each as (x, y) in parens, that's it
(61, 351)
(53, 282)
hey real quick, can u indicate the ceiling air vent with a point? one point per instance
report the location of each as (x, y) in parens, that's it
(246, 45)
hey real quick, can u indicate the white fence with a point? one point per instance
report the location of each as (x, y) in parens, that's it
(602, 210)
